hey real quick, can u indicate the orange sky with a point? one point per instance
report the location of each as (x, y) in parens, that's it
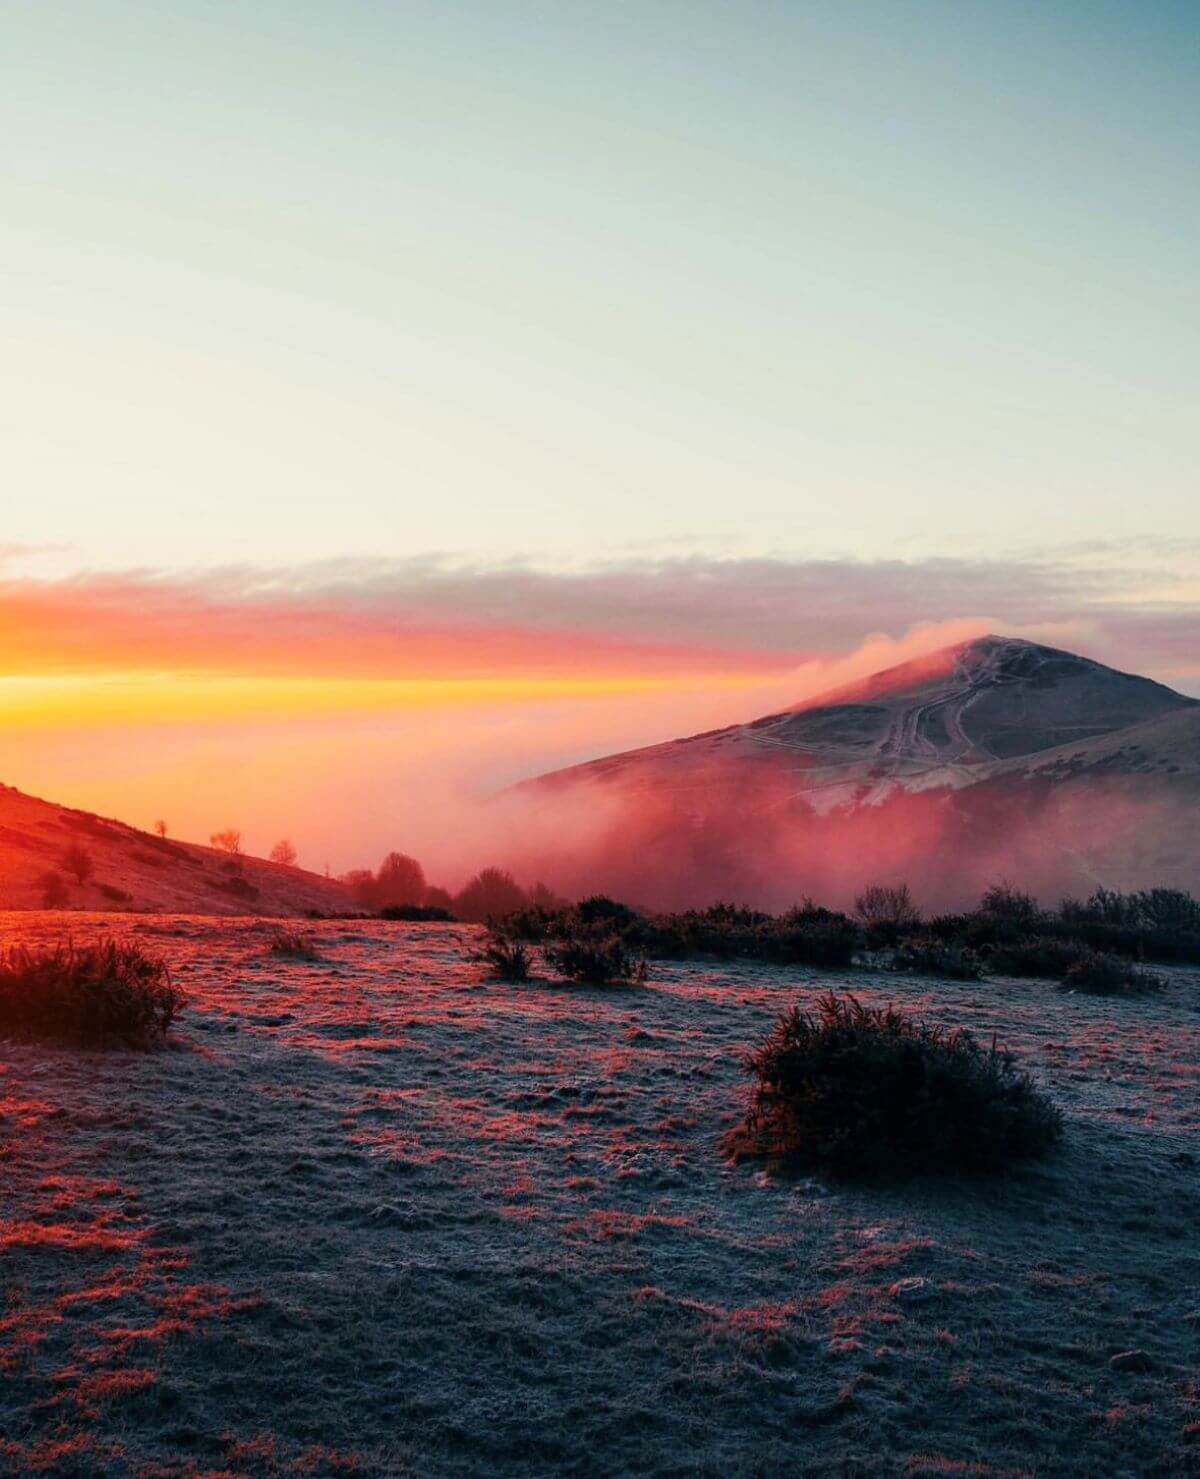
(363, 707)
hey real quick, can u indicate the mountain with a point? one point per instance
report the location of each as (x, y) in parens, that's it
(134, 870)
(998, 753)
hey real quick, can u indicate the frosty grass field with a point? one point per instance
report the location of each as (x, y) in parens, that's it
(376, 1214)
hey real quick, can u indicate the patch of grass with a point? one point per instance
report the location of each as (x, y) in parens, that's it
(934, 957)
(596, 958)
(292, 945)
(1099, 974)
(863, 1091)
(505, 957)
(92, 996)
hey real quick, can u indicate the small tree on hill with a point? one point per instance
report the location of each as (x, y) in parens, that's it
(230, 841)
(160, 827)
(284, 853)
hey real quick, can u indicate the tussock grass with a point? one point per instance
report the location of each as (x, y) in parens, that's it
(292, 945)
(866, 1091)
(506, 958)
(100, 995)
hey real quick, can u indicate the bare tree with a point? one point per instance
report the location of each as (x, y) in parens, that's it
(78, 862)
(160, 827)
(284, 853)
(230, 841)
(887, 904)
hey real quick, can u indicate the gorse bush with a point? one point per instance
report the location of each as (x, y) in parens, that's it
(933, 957)
(505, 957)
(96, 995)
(596, 958)
(861, 1091)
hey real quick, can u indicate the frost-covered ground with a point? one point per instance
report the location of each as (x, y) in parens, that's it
(375, 1214)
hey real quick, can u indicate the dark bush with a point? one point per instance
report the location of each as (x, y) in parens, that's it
(1036, 955)
(418, 913)
(934, 957)
(596, 958)
(1109, 975)
(806, 935)
(54, 890)
(861, 1091)
(1003, 901)
(600, 909)
(78, 862)
(505, 957)
(114, 894)
(97, 995)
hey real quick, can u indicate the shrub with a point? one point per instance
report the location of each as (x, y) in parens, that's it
(78, 862)
(600, 909)
(54, 890)
(1002, 901)
(292, 945)
(859, 1091)
(284, 853)
(1109, 975)
(94, 996)
(887, 910)
(114, 894)
(505, 957)
(418, 913)
(935, 957)
(230, 841)
(597, 958)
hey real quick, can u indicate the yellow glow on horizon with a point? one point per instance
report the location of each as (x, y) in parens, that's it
(119, 698)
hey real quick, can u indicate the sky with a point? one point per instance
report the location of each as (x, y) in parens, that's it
(397, 399)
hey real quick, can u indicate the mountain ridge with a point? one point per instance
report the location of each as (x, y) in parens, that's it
(993, 756)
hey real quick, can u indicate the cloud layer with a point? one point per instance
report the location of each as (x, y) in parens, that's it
(434, 618)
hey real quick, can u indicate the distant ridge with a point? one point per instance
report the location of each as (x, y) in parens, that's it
(1097, 770)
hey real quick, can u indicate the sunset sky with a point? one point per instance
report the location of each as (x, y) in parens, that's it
(401, 398)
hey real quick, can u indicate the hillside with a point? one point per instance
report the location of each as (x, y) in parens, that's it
(134, 870)
(991, 755)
